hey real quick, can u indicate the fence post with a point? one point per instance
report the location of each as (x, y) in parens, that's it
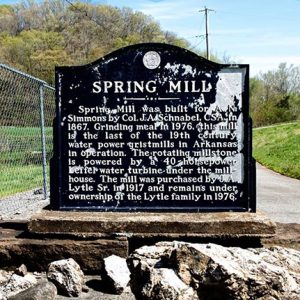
(43, 139)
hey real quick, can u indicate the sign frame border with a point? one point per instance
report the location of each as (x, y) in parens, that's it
(249, 184)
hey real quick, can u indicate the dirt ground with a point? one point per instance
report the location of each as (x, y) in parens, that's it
(287, 235)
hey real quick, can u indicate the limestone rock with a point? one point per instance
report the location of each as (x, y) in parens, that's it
(85, 289)
(152, 279)
(214, 272)
(165, 284)
(67, 276)
(43, 291)
(4, 276)
(239, 273)
(21, 271)
(17, 284)
(2, 297)
(116, 273)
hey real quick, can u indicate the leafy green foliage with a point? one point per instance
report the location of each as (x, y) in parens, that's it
(31, 50)
(278, 148)
(275, 96)
(36, 36)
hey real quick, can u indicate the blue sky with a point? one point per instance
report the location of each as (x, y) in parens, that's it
(262, 33)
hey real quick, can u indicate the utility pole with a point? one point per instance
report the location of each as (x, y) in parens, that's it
(206, 11)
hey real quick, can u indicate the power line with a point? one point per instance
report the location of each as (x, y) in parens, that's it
(77, 9)
(206, 11)
(85, 12)
(195, 46)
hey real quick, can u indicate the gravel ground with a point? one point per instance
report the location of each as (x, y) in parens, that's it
(96, 289)
(98, 292)
(22, 206)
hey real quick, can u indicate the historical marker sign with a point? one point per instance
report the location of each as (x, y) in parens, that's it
(152, 127)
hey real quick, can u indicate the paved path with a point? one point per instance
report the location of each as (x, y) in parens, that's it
(278, 196)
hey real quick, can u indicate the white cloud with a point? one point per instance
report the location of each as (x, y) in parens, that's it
(231, 31)
(169, 10)
(260, 46)
(265, 63)
(272, 41)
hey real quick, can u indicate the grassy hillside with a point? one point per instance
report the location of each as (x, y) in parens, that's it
(278, 148)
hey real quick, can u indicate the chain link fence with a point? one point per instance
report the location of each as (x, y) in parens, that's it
(27, 108)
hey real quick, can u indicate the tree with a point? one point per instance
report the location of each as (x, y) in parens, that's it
(275, 95)
(19, 50)
(44, 63)
(33, 31)
(8, 20)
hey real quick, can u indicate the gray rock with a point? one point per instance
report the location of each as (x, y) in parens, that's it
(151, 277)
(43, 291)
(85, 289)
(67, 277)
(2, 297)
(17, 284)
(21, 271)
(38, 191)
(38, 275)
(4, 276)
(214, 272)
(116, 273)
(164, 284)
(240, 273)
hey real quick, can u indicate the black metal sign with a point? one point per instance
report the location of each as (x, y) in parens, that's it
(152, 127)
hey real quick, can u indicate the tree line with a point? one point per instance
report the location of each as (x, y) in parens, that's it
(275, 96)
(36, 36)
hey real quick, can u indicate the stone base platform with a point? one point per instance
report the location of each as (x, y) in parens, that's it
(36, 254)
(148, 225)
(89, 237)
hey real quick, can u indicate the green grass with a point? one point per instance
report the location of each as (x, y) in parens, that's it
(21, 158)
(22, 145)
(17, 179)
(278, 148)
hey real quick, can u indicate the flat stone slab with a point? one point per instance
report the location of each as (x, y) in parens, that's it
(287, 235)
(36, 254)
(141, 224)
